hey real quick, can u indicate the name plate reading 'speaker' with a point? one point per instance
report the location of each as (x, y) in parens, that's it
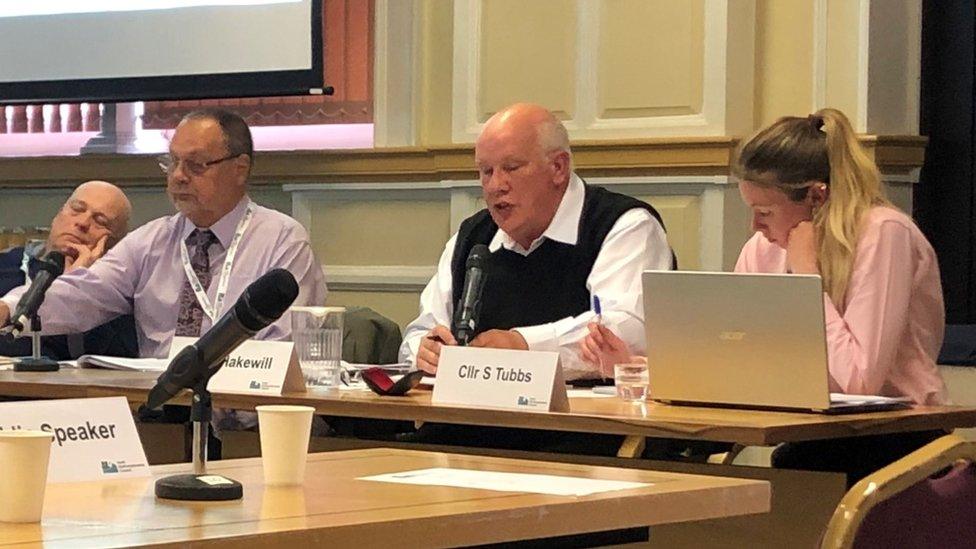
(94, 438)
(500, 378)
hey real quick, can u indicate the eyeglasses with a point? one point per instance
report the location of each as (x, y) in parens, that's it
(168, 164)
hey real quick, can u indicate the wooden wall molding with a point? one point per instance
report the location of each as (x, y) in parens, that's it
(378, 278)
(896, 154)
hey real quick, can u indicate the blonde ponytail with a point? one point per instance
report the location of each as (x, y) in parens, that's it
(855, 187)
(793, 152)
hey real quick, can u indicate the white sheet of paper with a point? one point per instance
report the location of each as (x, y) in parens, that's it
(588, 393)
(426, 380)
(842, 398)
(355, 366)
(506, 482)
(119, 363)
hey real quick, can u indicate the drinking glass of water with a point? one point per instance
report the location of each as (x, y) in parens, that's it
(631, 380)
(317, 333)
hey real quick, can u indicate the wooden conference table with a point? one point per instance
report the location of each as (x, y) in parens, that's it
(802, 501)
(334, 508)
(589, 415)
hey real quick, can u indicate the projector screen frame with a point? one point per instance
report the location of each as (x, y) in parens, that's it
(169, 88)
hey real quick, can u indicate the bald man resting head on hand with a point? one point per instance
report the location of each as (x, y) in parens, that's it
(93, 219)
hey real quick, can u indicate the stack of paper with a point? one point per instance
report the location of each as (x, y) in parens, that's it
(352, 367)
(119, 363)
(841, 401)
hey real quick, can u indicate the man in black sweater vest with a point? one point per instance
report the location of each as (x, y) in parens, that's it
(555, 242)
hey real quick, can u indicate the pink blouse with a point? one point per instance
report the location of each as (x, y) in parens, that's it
(885, 337)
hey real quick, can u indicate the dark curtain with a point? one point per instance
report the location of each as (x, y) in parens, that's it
(945, 201)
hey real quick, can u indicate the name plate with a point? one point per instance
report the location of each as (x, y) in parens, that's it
(94, 438)
(500, 378)
(263, 367)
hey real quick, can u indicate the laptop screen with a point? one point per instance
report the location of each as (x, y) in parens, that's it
(736, 339)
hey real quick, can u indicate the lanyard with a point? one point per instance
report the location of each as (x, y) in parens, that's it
(213, 310)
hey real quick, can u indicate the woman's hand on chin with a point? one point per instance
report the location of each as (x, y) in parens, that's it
(801, 249)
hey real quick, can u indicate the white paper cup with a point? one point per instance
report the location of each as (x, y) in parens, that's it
(24, 457)
(284, 432)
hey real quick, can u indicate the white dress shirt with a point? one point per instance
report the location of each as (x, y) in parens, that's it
(635, 243)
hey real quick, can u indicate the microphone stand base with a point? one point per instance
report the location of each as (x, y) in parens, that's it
(192, 488)
(31, 364)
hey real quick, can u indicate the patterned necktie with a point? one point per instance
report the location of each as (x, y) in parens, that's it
(191, 313)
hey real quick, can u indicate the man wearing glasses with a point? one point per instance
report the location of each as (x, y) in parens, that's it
(170, 273)
(93, 219)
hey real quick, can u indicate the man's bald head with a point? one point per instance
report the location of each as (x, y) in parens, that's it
(524, 162)
(95, 209)
(116, 203)
(531, 121)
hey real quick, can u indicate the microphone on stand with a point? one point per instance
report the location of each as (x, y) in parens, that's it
(263, 302)
(469, 307)
(50, 266)
(25, 317)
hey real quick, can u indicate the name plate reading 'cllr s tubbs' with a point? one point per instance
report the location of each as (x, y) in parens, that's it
(500, 378)
(94, 438)
(263, 367)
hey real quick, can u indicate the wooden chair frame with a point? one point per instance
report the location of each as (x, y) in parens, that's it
(888, 481)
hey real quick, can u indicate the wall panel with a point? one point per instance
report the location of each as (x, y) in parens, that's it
(621, 69)
(527, 52)
(401, 307)
(784, 59)
(682, 218)
(378, 232)
(844, 60)
(650, 59)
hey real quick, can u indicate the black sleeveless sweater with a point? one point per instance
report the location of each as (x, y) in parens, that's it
(548, 284)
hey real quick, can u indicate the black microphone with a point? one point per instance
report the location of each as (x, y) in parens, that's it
(468, 308)
(263, 302)
(51, 266)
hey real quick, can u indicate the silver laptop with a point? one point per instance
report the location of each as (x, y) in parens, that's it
(745, 340)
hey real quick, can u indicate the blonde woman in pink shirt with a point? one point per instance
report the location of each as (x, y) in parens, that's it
(818, 208)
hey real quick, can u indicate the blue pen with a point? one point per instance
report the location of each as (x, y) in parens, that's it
(598, 311)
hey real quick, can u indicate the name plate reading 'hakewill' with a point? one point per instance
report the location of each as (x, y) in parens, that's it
(500, 378)
(264, 367)
(94, 438)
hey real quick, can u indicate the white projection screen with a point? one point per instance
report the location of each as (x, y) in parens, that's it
(128, 50)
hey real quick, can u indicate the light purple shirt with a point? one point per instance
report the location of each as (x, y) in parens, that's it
(143, 275)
